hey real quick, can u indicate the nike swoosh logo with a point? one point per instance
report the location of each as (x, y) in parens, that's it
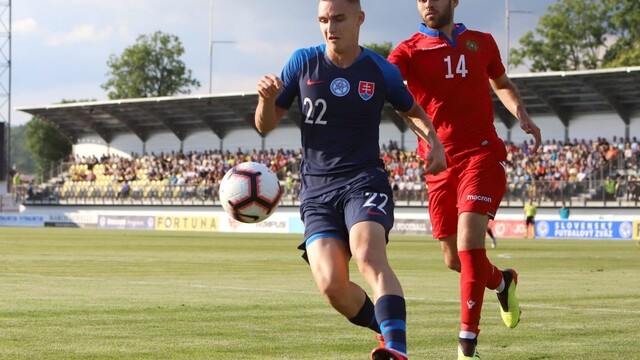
(311, 82)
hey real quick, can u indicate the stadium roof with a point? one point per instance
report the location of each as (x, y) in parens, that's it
(560, 94)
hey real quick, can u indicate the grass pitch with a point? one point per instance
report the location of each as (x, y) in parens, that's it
(97, 294)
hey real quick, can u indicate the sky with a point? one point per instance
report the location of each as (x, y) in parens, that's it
(60, 48)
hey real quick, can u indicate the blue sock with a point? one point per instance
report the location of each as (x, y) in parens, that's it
(366, 316)
(391, 313)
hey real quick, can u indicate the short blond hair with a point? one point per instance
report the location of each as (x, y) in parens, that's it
(352, 2)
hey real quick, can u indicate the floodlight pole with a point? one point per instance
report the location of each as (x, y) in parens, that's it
(211, 42)
(507, 21)
(210, 46)
(506, 24)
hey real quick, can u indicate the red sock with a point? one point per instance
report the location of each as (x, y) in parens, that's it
(495, 276)
(473, 280)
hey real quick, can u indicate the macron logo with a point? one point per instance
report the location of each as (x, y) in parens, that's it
(479, 198)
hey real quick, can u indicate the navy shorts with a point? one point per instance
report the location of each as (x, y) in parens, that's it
(367, 198)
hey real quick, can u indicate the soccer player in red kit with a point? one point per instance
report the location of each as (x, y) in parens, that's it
(449, 70)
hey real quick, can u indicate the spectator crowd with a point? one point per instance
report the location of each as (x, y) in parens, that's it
(559, 171)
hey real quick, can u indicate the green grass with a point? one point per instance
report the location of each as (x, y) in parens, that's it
(88, 294)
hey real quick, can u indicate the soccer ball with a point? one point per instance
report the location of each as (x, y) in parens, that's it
(250, 192)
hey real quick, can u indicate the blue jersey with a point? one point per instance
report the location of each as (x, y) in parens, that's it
(341, 111)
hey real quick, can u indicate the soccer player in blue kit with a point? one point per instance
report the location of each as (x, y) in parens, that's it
(346, 200)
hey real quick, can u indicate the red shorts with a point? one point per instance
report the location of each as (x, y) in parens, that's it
(475, 181)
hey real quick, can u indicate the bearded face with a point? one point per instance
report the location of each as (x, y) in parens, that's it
(436, 13)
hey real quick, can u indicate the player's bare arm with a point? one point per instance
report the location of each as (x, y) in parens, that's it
(420, 124)
(508, 93)
(267, 114)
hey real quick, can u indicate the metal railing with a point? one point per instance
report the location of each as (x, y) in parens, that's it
(594, 190)
(588, 193)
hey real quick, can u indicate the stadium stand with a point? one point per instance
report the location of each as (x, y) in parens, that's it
(563, 95)
(577, 172)
(592, 172)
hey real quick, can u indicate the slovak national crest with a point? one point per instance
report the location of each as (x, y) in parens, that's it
(366, 89)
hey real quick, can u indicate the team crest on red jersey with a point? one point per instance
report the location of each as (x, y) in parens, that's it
(472, 45)
(366, 89)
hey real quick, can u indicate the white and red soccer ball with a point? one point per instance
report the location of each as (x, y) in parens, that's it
(250, 192)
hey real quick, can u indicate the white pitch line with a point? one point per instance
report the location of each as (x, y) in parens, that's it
(240, 288)
(543, 306)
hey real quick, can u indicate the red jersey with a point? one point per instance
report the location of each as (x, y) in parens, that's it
(449, 78)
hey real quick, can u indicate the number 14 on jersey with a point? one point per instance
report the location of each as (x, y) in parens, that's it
(461, 67)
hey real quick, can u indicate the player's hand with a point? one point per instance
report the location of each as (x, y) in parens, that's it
(269, 87)
(436, 159)
(529, 127)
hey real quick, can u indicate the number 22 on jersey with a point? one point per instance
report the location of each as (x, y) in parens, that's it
(320, 106)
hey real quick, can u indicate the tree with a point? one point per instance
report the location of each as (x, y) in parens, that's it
(383, 49)
(46, 144)
(21, 157)
(624, 24)
(570, 36)
(583, 34)
(150, 68)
